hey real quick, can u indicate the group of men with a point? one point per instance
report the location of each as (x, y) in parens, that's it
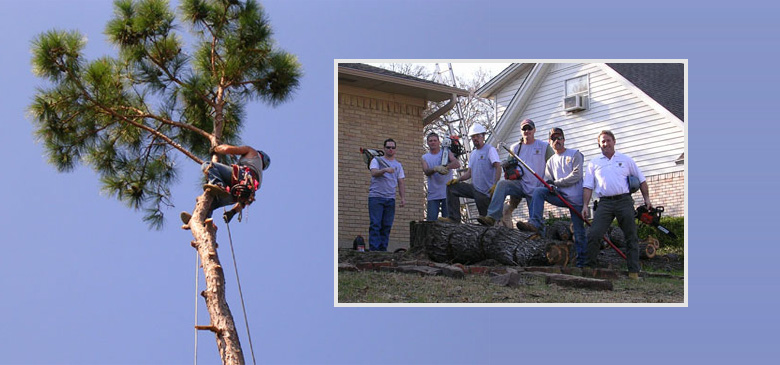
(562, 168)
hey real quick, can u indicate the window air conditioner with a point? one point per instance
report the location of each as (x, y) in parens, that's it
(573, 103)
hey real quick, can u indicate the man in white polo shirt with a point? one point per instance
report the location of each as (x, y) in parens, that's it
(607, 175)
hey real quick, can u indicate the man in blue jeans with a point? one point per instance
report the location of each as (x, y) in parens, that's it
(563, 172)
(386, 174)
(438, 175)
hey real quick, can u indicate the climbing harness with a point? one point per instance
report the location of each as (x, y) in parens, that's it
(243, 186)
(240, 293)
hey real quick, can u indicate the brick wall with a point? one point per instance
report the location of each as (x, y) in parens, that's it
(365, 119)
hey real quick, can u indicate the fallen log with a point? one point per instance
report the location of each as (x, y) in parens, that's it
(470, 243)
(559, 230)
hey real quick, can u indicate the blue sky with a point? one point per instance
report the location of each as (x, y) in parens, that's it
(85, 282)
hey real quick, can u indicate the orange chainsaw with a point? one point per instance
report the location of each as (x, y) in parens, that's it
(652, 217)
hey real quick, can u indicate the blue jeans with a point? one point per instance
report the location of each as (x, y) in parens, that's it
(540, 195)
(504, 188)
(218, 174)
(432, 211)
(381, 212)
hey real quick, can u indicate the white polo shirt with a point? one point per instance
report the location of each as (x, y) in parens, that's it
(609, 176)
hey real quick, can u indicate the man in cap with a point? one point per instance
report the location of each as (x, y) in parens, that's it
(564, 174)
(607, 175)
(438, 175)
(518, 183)
(484, 171)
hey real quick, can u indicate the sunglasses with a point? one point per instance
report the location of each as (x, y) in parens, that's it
(390, 147)
(527, 128)
(559, 138)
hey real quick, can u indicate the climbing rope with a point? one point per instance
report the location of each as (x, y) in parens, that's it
(240, 293)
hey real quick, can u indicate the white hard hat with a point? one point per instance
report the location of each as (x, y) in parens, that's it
(476, 128)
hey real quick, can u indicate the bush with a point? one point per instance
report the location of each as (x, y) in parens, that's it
(674, 224)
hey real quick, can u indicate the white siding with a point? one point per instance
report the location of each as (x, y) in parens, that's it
(642, 133)
(506, 94)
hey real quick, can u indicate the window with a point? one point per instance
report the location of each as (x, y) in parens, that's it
(577, 86)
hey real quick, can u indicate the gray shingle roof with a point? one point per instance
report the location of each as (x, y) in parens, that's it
(381, 71)
(664, 82)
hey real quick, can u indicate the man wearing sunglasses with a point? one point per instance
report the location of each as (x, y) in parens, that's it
(386, 174)
(518, 183)
(564, 174)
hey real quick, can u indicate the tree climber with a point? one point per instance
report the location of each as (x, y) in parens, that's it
(233, 183)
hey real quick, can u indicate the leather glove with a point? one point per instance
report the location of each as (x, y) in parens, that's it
(441, 169)
(552, 185)
(453, 181)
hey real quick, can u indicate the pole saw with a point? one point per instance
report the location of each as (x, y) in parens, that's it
(579, 214)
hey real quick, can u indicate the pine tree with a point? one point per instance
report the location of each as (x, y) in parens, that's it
(127, 117)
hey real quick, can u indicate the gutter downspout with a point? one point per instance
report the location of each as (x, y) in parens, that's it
(447, 107)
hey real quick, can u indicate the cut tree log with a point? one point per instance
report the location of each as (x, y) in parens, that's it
(559, 230)
(646, 250)
(470, 243)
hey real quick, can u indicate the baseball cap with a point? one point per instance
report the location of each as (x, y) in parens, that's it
(527, 122)
(556, 130)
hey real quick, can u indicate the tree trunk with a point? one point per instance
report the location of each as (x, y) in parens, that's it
(469, 244)
(221, 319)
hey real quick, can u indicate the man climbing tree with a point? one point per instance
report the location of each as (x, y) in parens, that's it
(127, 117)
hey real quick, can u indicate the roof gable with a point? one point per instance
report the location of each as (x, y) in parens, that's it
(663, 82)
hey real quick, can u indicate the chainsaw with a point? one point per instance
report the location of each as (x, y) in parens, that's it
(652, 217)
(452, 145)
(369, 154)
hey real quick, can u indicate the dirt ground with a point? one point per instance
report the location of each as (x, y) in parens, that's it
(660, 283)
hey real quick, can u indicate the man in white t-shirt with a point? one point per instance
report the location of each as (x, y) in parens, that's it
(484, 171)
(438, 175)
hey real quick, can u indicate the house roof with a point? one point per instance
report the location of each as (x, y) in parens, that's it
(375, 78)
(664, 82)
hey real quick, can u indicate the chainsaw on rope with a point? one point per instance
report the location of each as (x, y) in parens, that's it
(370, 154)
(652, 217)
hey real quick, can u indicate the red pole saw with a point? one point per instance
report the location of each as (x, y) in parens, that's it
(579, 214)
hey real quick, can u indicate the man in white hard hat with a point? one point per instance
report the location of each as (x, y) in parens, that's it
(484, 171)
(519, 183)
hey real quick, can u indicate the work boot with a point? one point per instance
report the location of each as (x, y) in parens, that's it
(633, 276)
(446, 220)
(486, 221)
(528, 227)
(216, 189)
